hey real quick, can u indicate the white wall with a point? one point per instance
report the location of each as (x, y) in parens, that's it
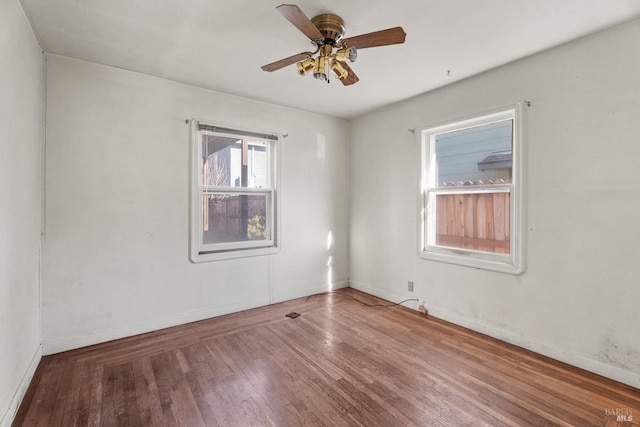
(20, 205)
(116, 258)
(578, 300)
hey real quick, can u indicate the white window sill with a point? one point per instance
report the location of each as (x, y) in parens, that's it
(199, 257)
(498, 263)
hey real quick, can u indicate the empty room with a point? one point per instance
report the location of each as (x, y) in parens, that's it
(242, 213)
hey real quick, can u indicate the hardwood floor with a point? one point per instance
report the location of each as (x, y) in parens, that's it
(339, 363)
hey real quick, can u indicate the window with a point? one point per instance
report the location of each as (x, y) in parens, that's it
(233, 193)
(470, 192)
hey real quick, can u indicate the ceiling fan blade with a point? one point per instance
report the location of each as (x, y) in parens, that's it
(351, 77)
(386, 37)
(293, 14)
(286, 61)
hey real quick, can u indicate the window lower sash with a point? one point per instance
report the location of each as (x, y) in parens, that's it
(236, 220)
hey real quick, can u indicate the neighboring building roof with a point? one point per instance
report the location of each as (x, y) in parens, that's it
(496, 160)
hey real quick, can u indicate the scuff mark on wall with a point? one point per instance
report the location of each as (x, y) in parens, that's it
(620, 355)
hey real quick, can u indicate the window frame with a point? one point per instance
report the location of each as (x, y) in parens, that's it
(512, 263)
(201, 252)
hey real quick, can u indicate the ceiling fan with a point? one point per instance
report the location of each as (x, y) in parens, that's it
(326, 33)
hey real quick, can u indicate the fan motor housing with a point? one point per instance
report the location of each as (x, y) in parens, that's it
(331, 27)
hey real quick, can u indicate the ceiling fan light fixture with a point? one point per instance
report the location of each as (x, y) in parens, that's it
(347, 53)
(320, 68)
(306, 66)
(339, 70)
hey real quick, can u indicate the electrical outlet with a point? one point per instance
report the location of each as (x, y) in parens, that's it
(410, 286)
(422, 309)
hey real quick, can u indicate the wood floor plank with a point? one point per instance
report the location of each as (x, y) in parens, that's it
(342, 363)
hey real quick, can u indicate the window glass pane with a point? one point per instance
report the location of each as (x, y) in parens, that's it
(234, 162)
(474, 156)
(477, 221)
(235, 218)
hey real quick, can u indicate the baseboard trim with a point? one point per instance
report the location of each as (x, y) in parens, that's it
(381, 293)
(609, 371)
(69, 343)
(318, 289)
(16, 400)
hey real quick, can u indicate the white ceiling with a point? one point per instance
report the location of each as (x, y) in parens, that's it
(221, 45)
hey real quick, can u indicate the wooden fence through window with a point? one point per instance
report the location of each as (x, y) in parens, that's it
(478, 221)
(228, 218)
